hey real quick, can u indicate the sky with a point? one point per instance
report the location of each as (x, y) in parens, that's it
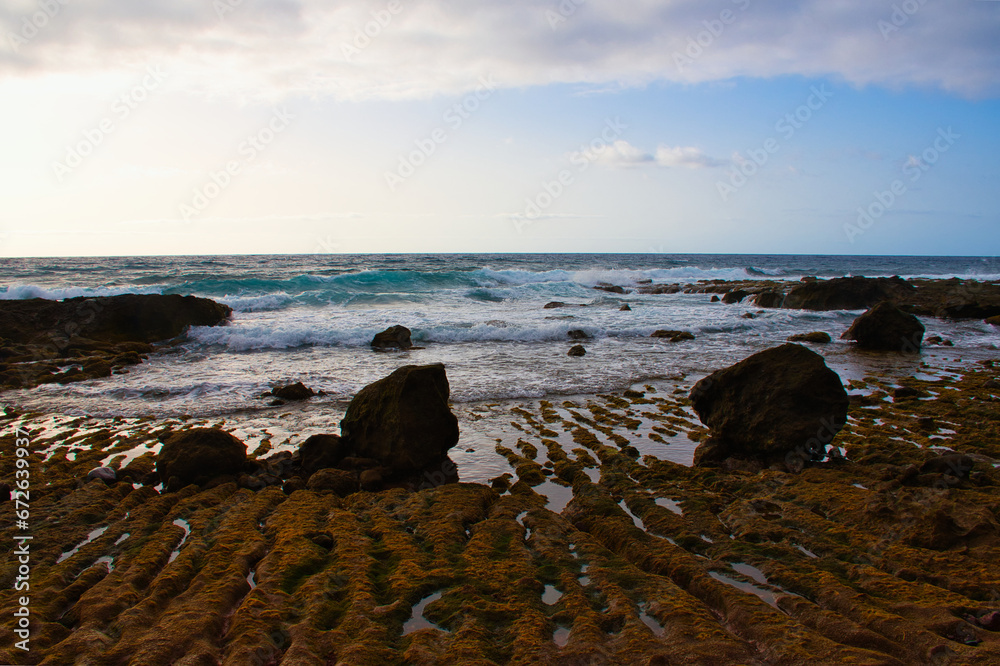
(301, 126)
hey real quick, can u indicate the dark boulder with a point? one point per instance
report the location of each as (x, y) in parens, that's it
(577, 350)
(886, 328)
(577, 334)
(782, 404)
(394, 337)
(339, 481)
(625, 308)
(715, 298)
(734, 296)
(673, 336)
(816, 336)
(296, 391)
(553, 305)
(200, 455)
(402, 420)
(994, 321)
(611, 288)
(321, 451)
(848, 293)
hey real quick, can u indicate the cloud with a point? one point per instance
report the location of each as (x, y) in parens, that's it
(275, 48)
(623, 154)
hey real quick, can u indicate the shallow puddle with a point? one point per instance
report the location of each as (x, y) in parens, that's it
(417, 620)
(557, 496)
(183, 524)
(649, 620)
(560, 636)
(635, 519)
(94, 534)
(551, 595)
(670, 504)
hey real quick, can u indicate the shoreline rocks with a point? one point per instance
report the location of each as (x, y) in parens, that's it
(402, 420)
(886, 328)
(199, 455)
(96, 337)
(780, 404)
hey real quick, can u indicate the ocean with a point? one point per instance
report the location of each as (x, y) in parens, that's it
(311, 319)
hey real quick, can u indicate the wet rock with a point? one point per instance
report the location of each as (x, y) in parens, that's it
(611, 288)
(394, 337)
(106, 474)
(816, 336)
(749, 315)
(769, 299)
(938, 340)
(849, 293)
(673, 336)
(625, 308)
(715, 299)
(735, 296)
(339, 481)
(292, 392)
(293, 484)
(577, 350)
(577, 334)
(402, 420)
(320, 451)
(553, 305)
(779, 404)
(995, 320)
(199, 455)
(886, 328)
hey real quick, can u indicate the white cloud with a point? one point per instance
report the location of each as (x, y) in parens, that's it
(273, 48)
(623, 154)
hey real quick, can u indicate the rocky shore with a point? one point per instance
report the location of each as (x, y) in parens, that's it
(876, 544)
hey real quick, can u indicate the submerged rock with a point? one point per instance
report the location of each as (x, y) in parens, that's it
(199, 455)
(296, 391)
(577, 350)
(816, 336)
(781, 404)
(402, 420)
(577, 334)
(673, 336)
(886, 328)
(394, 337)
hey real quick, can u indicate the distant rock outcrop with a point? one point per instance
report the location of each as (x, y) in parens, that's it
(848, 293)
(403, 420)
(780, 405)
(819, 337)
(886, 328)
(296, 391)
(673, 336)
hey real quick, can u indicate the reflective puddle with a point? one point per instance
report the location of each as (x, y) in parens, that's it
(417, 620)
(183, 524)
(670, 504)
(94, 534)
(551, 595)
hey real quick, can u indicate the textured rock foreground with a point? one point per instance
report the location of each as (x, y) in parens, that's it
(888, 557)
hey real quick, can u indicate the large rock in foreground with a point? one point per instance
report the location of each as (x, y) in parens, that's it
(886, 328)
(849, 293)
(781, 404)
(402, 420)
(200, 455)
